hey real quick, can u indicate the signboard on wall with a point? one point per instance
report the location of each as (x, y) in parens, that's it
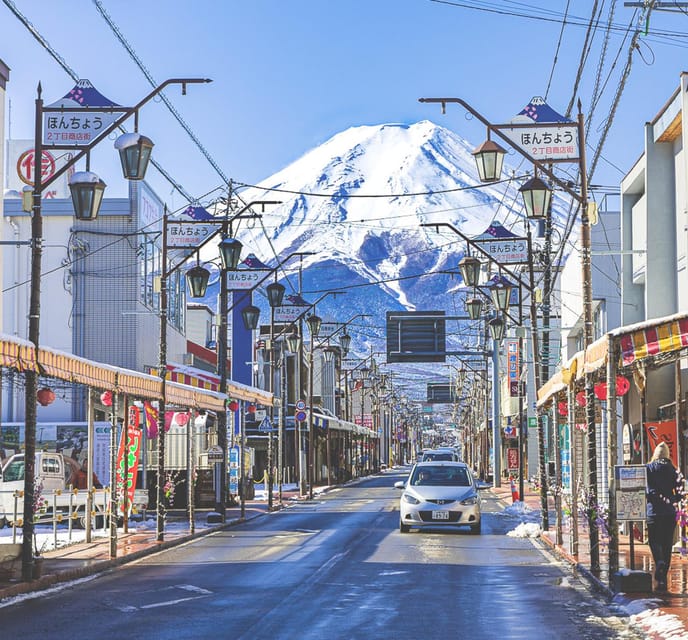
(21, 168)
(663, 431)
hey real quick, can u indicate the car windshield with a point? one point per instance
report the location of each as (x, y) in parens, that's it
(14, 471)
(437, 455)
(440, 477)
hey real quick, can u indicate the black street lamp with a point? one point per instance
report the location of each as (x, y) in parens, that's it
(134, 154)
(470, 270)
(314, 322)
(293, 342)
(474, 307)
(537, 197)
(250, 314)
(197, 277)
(497, 326)
(87, 192)
(230, 252)
(536, 194)
(345, 342)
(500, 291)
(489, 157)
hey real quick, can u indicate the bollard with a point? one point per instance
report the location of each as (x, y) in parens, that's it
(514, 490)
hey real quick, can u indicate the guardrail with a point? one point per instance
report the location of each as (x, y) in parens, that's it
(50, 512)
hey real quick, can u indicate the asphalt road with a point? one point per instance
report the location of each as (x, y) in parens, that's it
(333, 568)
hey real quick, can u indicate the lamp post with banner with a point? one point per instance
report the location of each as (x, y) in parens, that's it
(187, 237)
(545, 138)
(78, 122)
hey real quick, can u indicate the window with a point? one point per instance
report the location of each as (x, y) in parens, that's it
(14, 471)
(150, 271)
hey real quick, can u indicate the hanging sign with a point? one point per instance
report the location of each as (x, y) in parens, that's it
(94, 114)
(185, 235)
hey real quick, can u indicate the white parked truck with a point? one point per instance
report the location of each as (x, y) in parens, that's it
(54, 474)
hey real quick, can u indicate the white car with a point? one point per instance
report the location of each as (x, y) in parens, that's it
(439, 494)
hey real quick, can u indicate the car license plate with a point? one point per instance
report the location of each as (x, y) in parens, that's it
(440, 515)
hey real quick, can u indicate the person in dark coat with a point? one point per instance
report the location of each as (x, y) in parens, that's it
(664, 491)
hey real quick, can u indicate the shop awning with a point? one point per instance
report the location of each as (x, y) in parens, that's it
(20, 355)
(645, 340)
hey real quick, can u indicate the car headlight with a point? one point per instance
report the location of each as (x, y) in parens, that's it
(407, 497)
(471, 500)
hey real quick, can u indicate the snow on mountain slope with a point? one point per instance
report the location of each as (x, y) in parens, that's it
(357, 203)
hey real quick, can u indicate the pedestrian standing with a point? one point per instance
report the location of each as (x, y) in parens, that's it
(664, 491)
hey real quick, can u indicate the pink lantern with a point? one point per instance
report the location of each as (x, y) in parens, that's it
(601, 390)
(581, 399)
(45, 396)
(106, 398)
(563, 408)
(181, 419)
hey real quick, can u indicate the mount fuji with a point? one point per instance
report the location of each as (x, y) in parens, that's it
(357, 203)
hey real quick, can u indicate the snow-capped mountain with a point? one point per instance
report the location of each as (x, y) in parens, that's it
(357, 202)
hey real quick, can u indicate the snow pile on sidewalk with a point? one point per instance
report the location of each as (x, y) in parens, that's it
(526, 530)
(654, 622)
(530, 520)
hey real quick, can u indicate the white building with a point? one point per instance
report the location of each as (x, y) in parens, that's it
(98, 293)
(654, 227)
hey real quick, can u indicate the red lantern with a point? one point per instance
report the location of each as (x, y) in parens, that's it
(233, 405)
(622, 385)
(563, 408)
(251, 408)
(581, 399)
(181, 419)
(45, 396)
(601, 390)
(106, 398)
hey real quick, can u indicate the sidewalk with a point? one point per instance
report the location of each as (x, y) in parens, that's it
(83, 559)
(672, 604)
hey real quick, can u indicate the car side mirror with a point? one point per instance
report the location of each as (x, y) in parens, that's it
(399, 485)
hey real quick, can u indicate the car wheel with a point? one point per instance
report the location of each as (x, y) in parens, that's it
(475, 528)
(404, 528)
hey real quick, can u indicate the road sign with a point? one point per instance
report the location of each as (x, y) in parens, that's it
(265, 425)
(215, 453)
(300, 405)
(300, 416)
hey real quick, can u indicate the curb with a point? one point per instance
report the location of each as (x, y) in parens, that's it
(578, 568)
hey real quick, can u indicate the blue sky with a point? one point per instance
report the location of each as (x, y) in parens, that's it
(289, 75)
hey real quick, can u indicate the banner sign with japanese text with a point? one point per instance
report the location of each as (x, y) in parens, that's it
(187, 235)
(130, 465)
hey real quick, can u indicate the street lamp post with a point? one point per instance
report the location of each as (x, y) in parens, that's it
(87, 191)
(533, 197)
(314, 323)
(197, 278)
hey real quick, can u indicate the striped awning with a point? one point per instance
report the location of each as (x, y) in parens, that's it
(652, 338)
(20, 355)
